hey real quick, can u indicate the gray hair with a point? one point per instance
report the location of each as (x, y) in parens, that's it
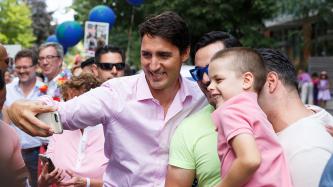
(57, 46)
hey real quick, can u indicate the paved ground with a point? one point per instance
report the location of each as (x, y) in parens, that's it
(329, 106)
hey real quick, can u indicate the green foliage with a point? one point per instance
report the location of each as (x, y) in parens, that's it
(15, 23)
(242, 18)
(41, 24)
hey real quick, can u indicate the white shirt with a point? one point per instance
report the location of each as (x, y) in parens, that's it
(14, 93)
(308, 147)
(53, 89)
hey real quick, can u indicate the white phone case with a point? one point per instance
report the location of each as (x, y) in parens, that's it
(52, 119)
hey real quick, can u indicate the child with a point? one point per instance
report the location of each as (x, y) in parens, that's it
(324, 93)
(248, 148)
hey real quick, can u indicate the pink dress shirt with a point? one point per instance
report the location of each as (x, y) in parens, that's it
(242, 114)
(137, 134)
(83, 154)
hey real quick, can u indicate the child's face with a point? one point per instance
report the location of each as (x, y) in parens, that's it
(225, 82)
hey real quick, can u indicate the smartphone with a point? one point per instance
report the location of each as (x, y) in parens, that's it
(52, 119)
(46, 159)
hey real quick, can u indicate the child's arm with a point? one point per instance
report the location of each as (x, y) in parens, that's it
(247, 161)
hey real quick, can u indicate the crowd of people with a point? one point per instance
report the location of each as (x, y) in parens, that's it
(314, 89)
(241, 122)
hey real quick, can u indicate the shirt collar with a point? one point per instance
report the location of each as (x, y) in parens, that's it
(143, 91)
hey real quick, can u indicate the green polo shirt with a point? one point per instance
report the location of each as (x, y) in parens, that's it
(194, 146)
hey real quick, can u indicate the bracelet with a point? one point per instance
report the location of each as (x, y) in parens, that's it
(88, 182)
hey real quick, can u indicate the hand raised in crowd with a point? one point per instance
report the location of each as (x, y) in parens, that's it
(22, 114)
(46, 178)
(74, 180)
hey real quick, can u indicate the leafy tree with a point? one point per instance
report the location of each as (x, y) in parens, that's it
(41, 21)
(15, 23)
(242, 18)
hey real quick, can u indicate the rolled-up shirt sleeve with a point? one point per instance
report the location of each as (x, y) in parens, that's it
(89, 109)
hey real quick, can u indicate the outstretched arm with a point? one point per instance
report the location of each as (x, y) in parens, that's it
(247, 161)
(22, 114)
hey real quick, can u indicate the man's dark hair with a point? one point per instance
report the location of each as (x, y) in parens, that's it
(276, 61)
(216, 36)
(27, 53)
(169, 26)
(87, 62)
(108, 49)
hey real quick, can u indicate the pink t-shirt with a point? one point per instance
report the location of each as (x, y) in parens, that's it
(10, 148)
(83, 154)
(242, 114)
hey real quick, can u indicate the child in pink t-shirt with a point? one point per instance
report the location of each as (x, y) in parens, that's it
(248, 148)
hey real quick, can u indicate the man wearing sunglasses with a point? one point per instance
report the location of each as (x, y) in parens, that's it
(13, 171)
(109, 63)
(193, 149)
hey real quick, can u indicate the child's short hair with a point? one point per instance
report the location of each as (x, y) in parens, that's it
(245, 60)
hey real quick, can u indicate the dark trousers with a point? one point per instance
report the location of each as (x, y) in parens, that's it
(30, 157)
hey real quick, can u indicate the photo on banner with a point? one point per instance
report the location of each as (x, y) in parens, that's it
(95, 34)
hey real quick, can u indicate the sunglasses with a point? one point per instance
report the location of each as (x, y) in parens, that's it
(198, 72)
(109, 65)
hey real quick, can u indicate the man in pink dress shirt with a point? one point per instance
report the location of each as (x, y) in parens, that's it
(139, 113)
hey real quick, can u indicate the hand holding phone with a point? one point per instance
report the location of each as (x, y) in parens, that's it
(52, 119)
(46, 159)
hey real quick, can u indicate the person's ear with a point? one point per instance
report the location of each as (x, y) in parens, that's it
(248, 80)
(272, 80)
(185, 55)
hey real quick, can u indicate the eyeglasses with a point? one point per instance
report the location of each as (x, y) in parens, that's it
(48, 58)
(109, 65)
(23, 67)
(198, 72)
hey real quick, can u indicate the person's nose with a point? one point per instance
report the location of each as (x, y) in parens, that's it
(205, 79)
(114, 70)
(154, 64)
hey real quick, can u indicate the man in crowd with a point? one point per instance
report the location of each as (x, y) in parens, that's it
(139, 117)
(109, 63)
(193, 149)
(300, 129)
(50, 59)
(26, 87)
(12, 168)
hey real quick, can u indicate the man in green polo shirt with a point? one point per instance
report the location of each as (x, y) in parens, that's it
(193, 149)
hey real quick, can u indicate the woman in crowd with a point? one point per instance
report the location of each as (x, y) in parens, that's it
(81, 152)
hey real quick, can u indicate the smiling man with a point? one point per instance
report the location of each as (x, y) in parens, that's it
(109, 63)
(139, 113)
(50, 59)
(26, 87)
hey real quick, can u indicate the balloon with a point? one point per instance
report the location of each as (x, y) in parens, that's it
(102, 13)
(135, 2)
(52, 38)
(69, 33)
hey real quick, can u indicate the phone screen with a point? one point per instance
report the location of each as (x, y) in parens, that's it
(45, 159)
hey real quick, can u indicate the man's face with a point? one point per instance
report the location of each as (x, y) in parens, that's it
(161, 62)
(111, 65)
(25, 70)
(202, 59)
(49, 62)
